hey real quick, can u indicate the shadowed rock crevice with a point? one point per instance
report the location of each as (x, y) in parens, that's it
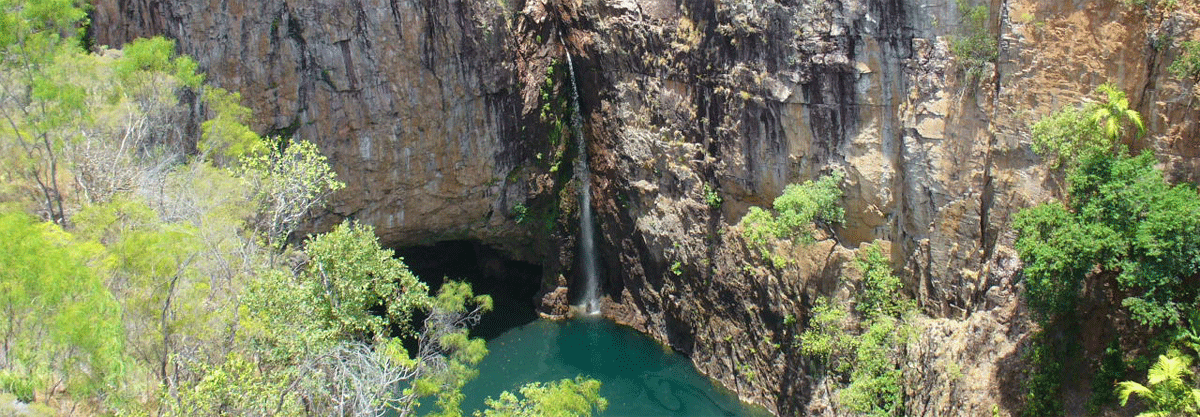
(512, 284)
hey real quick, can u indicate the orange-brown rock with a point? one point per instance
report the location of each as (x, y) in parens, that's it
(429, 110)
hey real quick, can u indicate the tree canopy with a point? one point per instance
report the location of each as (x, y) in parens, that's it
(146, 269)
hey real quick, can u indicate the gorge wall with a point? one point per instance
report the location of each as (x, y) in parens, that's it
(433, 113)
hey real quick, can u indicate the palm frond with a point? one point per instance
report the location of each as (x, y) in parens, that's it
(1167, 369)
(1125, 388)
(1136, 118)
(1112, 128)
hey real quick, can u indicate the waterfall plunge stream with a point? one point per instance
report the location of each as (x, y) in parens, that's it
(587, 244)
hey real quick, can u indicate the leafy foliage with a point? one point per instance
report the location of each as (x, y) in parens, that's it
(226, 135)
(1187, 65)
(337, 330)
(976, 46)
(563, 398)
(1170, 390)
(235, 387)
(881, 290)
(1113, 114)
(36, 108)
(797, 208)
(351, 275)
(1121, 216)
(60, 323)
(712, 197)
(288, 181)
(1075, 132)
(1065, 134)
(1043, 388)
(1121, 219)
(146, 57)
(759, 228)
(1111, 369)
(867, 351)
(827, 337)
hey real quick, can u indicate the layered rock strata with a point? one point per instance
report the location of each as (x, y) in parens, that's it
(433, 111)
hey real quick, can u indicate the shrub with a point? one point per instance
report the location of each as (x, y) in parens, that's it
(881, 294)
(1073, 133)
(798, 207)
(519, 211)
(1170, 390)
(1120, 217)
(866, 353)
(1043, 388)
(712, 197)
(1111, 370)
(1187, 65)
(976, 46)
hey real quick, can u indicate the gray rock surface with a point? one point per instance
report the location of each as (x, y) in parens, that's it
(429, 110)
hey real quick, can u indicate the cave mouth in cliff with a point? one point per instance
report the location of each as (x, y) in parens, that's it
(512, 284)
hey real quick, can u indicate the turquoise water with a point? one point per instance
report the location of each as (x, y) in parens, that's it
(640, 376)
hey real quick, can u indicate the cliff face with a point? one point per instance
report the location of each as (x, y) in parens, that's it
(416, 102)
(430, 111)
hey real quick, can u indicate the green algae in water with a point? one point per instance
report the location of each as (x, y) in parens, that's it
(640, 376)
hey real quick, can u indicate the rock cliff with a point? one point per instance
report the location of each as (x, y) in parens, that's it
(416, 102)
(434, 113)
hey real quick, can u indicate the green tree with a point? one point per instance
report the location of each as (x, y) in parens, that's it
(235, 387)
(178, 282)
(288, 181)
(1187, 65)
(152, 266)
(39, 108)
(564, 398)
(1096, 127)
(146, 60)
(976, 46)
(828, 336)
(796, 210)
(336, 330)
(880, 295)
(1120, 217)
(1171, 391)
(351, 275)
(867, 350)
(61, 326)
(101, 119)
(1125, 218)
(801, 204)
(1113, 114)
(226, 136)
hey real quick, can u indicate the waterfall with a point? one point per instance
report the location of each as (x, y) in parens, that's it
(587, 244)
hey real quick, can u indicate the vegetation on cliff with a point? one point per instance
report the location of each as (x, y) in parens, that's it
(861, 350)
(796, 210)
(147, 269)
(976, 46)
(1121, 225)
(1171, 390)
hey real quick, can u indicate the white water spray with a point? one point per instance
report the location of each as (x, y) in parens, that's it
(587, 244)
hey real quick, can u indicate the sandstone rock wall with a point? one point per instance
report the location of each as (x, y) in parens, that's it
(418, 103)
(744, 97)
(429, 110)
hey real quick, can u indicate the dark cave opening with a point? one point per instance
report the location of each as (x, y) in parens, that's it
(513, 285)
